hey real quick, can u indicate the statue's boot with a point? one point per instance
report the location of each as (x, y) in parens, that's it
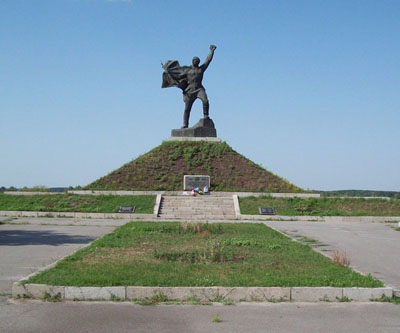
(206, 108)
(186, 119)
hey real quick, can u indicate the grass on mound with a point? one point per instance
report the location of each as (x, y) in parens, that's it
(322, 206)
(164, 167)
(76, 203)
(183, 254)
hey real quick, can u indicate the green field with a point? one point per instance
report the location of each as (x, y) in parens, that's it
(322, 206)
(76, 203)
(183, 254)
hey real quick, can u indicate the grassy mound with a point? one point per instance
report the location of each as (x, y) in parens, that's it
(163, 168)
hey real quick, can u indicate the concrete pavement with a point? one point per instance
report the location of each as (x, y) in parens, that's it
(26, 248)
(371, 247)
(36, 316)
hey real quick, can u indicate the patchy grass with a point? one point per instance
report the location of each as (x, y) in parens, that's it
(163, 168)
(76, 203)
(216, 319)
(393, 300)
(173, 254)
(322, 206)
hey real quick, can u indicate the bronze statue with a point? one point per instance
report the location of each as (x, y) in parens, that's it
(188, 78)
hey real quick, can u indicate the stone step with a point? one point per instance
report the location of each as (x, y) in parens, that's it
(202, 199)
(197, 217)
(191, 209)
(197, 208)
(197, 213)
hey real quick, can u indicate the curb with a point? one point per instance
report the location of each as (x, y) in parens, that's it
(132, 216)
(309, 218)
(208, 294)
(241, 217)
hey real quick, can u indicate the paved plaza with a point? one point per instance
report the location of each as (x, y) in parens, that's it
(372, 248)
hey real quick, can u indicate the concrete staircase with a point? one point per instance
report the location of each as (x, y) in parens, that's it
(200, 207)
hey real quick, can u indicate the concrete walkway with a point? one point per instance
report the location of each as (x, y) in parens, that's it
(371, 247)
(24, 249)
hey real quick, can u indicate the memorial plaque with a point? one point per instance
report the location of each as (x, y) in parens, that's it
(126, 209)
(266, 211)
(194, 181)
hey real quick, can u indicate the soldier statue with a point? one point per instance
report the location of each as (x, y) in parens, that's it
(189, 79)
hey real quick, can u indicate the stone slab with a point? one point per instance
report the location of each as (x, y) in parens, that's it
(260, 294)
(366, 294)
(314, 294)
(156, 209)
(211, 293)
(98, 215)
(10, 213)
(94, 293)
(29, 214)
(81, 215)
(236, 205)
(193, 181)
(37, 291)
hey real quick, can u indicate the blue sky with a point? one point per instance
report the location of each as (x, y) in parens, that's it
(307, 89)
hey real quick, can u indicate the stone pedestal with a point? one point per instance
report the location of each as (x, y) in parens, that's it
(204, 128)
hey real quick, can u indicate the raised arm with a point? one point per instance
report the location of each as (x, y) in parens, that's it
(209, 57)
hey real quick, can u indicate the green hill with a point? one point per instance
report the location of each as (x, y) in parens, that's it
(163, 168)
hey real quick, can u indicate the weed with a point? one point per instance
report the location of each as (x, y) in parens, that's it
(341, 258)
(276, 300)
(142, 301)
(218, 299)
(196, 228)
(51, 298)
(397, 229)
(216, 319)
(193, 300)
(155, 299)
(383, 298)
(228, 302)
(7, 220)
(158, 298)
(344, 299)
(115, 298)
(5, 294)
(324, 299)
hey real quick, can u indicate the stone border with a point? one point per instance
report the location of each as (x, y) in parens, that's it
(219, 194)
(208, 294)
(157, 205)
(132, 216)
(236, 205)
(321, 218)
(245, 218)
